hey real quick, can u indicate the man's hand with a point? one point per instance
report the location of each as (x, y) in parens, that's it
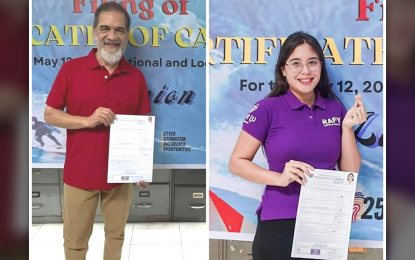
(100, 116)
(142, 184)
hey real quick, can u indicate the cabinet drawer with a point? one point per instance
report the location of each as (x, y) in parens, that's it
(189, 177)
(46, 200)
(189, 204)
(46, 220)
(161, 176)
(151, 203)
(242, 250)
(45, 176)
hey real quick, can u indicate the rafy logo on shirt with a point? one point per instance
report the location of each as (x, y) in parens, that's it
(331, 121)
(254, 108)
(249, 119)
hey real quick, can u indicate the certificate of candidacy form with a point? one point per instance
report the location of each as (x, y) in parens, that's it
(131, 149)
(324, 215)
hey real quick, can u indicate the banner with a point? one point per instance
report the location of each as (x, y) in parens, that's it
(245, 39)
(167, 42)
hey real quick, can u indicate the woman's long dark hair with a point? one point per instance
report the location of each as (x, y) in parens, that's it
(292, 42)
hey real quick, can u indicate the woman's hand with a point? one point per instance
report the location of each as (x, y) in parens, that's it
(356, 115)
(294, 171)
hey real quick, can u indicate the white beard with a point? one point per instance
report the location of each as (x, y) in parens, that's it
(111, 58)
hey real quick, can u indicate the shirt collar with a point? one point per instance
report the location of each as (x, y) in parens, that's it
(93, 62)
(320, 101)
(294, 103)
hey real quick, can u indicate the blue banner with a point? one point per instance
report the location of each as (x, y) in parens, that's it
(167, 42)
(245, 38)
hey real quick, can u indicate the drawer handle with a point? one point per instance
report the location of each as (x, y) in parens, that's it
(37, 206)
(143, 205)
(197, 206)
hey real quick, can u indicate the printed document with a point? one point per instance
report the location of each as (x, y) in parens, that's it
(324, 215)
(131, 149)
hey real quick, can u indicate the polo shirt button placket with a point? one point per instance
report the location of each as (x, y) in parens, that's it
(311, 109)
(311, 117)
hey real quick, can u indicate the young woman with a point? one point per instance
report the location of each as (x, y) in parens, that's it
(301, 125)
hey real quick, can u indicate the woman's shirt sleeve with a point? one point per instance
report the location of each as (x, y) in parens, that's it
(256, 123)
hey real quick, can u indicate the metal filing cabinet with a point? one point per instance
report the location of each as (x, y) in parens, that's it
(238, 250)
(148, 205)
(46, 203)
(189, 196)
(152, 204)
(174, 195)
(229, 250)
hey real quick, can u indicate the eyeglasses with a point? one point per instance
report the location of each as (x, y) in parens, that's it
(296, 66)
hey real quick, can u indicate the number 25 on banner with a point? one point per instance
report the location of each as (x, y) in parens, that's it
(370, 202)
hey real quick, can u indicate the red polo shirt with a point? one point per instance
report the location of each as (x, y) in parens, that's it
(82, 85)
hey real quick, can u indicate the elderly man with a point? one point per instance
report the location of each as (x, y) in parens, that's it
(95, 88)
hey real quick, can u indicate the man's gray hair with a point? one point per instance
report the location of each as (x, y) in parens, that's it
(112, 6)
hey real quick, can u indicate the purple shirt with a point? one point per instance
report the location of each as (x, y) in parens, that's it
(290, 130)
